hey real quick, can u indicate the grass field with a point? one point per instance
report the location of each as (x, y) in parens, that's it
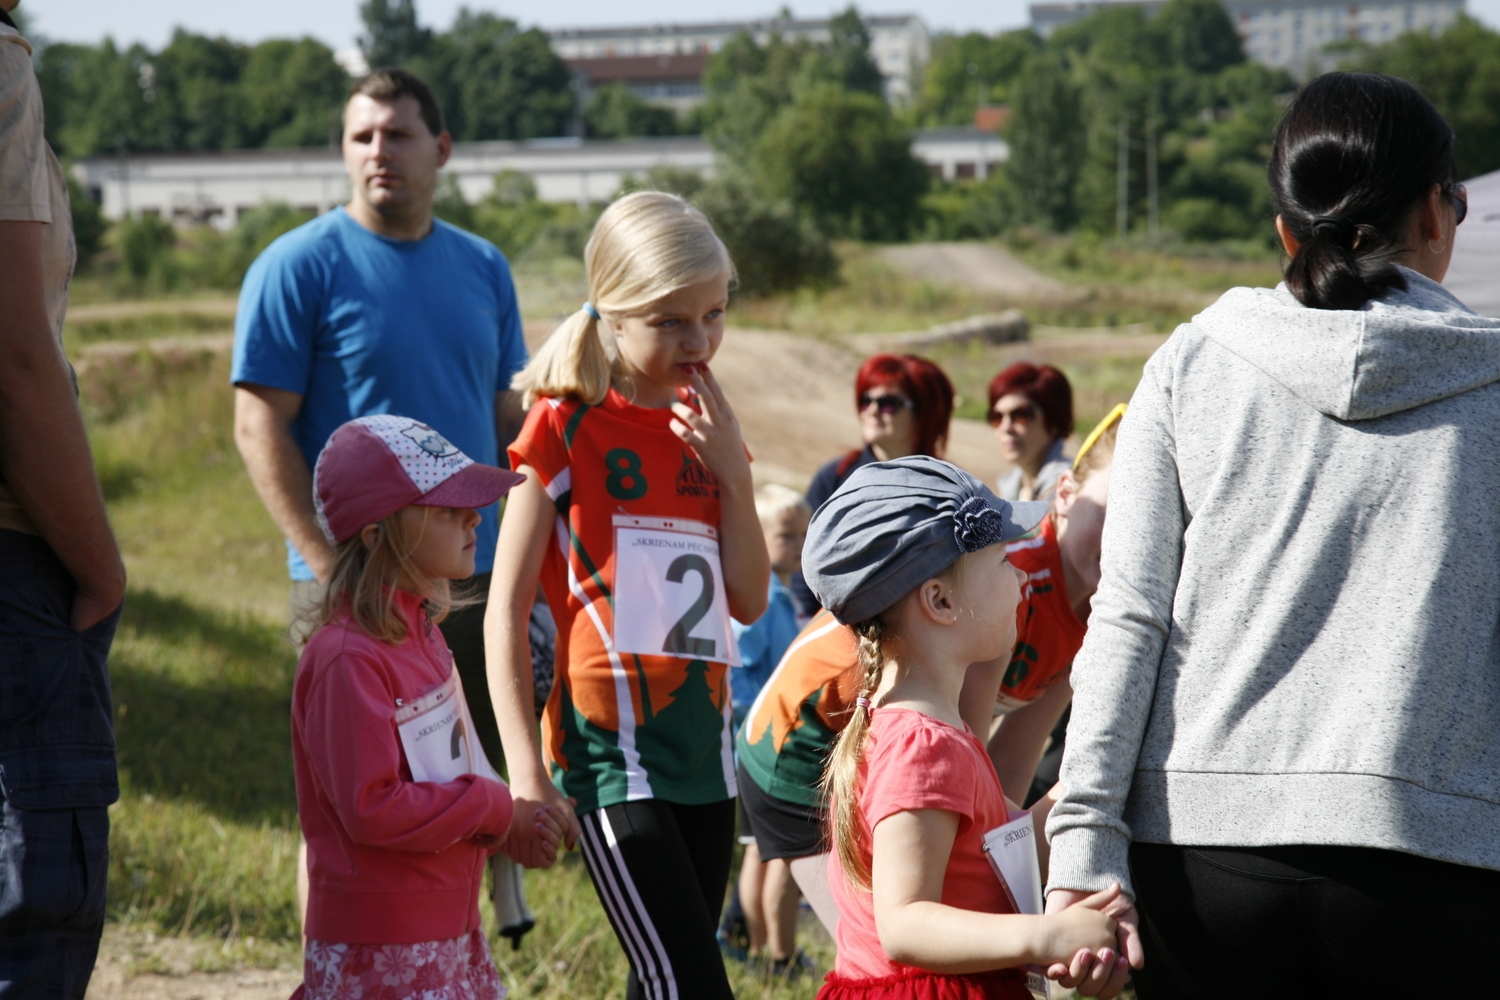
(205, 837)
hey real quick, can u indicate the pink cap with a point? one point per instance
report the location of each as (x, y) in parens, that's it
(373, 466)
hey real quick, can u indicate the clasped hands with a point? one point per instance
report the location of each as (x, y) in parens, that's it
(1103, 974)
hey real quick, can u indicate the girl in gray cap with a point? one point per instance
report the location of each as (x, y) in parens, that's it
(910, 554)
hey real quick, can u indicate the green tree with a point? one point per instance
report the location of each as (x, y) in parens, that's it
(1046, 141)
(498, 81)
(88, 223)
(774, 247)
(293, 93)
(392, 35)
(1200, 37)
(1459, 71)
(845, 59)
(966, 70)
(842, 159)
(614, 112)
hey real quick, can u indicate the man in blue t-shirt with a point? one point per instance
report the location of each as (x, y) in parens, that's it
(377, 307)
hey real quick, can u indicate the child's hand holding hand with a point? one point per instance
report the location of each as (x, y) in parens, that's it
(714, 433)
(1098, 967)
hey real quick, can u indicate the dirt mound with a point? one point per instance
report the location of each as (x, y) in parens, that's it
(978, 265)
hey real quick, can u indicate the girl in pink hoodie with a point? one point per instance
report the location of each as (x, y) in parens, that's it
(398, 805)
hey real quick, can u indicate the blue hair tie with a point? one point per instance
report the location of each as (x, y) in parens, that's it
(977, 525)
(588, 307)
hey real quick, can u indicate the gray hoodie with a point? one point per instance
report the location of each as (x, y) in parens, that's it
(1296, 639)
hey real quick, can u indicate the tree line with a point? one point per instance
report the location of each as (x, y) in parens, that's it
(1120, 121)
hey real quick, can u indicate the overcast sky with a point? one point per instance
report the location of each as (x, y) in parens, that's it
(336, 22)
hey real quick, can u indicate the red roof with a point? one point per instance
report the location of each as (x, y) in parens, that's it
(641, 69)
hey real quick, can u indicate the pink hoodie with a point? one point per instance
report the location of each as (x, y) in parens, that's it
(390, 860)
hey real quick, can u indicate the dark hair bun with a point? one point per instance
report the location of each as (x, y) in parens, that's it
(1351, 158)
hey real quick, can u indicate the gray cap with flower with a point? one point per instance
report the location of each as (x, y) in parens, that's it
(892, 525)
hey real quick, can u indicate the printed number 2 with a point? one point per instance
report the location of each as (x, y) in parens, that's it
(678, 640)
(456, 745)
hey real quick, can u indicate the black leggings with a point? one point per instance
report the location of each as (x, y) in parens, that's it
(1301, 921)
(640, 855)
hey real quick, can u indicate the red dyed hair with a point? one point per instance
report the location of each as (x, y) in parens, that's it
(924, 384)
(1045, 386)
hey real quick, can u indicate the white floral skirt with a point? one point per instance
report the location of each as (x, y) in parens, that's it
(459, 969)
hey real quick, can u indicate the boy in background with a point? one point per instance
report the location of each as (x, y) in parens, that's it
(766, 894)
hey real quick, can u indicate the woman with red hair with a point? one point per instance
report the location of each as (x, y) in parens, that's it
(1031, 410)
(905, 404)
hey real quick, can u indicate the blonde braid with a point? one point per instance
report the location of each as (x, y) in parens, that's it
(841, 777)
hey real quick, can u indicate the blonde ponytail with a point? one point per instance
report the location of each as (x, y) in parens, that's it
(841, 776)
(645, 246)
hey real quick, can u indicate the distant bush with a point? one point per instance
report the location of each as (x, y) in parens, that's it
(967, 210)
(88, 223)
(145, 244)
(614, 112)
(774, 247)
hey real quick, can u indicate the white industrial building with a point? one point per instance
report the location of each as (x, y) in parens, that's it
(218, 188)
(899, 43)
(1288, 34)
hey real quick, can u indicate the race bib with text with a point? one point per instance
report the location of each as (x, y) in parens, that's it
(438, 735)
(669, 590)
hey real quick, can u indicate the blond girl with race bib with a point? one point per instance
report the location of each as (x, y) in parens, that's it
(399, 807)
(637, 515)
(911, 554)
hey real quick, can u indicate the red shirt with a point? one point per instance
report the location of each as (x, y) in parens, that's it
(912, 761)
(629, 721)
(1048, 632)
(389, 860)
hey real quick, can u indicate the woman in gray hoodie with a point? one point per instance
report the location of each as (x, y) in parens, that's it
(1286, 733)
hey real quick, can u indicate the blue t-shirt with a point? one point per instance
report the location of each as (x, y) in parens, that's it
(361, 324)
(762, 644)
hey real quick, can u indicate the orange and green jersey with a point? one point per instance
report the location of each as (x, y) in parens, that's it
(627, 719)
(801, 711)
(1048, 632)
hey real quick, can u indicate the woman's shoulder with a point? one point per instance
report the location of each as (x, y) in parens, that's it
(905, 733)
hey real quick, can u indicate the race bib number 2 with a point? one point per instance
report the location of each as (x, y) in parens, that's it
(669, 590)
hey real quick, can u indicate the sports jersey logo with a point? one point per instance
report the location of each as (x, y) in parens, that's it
(429, 440)
(693, 480)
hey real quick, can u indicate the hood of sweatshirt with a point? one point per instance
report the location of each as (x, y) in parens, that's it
(1398, 352)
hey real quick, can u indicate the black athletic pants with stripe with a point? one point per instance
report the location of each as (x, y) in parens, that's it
(660, 870)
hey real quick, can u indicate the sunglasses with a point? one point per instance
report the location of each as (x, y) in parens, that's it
(885, 404)
(1018, 416)
(1459, 195)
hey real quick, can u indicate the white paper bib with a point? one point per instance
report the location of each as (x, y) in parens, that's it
(437, 734)
(669, 590)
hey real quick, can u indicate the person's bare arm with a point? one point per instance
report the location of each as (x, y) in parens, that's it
(525, 531)
(1018, 745)
(263, 432)
(44, 451)
(510, 415)
(909, 860)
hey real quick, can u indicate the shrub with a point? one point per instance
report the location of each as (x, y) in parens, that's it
(774, 248)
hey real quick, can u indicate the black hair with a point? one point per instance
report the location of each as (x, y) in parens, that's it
(390, 85)
(1350, 161)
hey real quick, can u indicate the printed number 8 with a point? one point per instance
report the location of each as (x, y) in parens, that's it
(625, 481)
(678, 640)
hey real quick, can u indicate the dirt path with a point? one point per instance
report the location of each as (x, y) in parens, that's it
(158, 307)
(137, 966)
(978, 265)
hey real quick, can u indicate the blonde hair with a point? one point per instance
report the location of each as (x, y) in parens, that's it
(365, 579)
(774, 500)
(1098, 450)
(841, 775)
(847, 829)
(645, 246)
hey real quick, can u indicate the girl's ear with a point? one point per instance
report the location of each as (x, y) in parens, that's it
(369, 535)
(936, 599)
